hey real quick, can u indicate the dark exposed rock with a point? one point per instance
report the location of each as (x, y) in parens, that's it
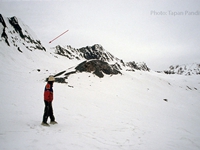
(60, 80)
(4, 35)
(68, 73)
(137, 66)
(19, 50)
(61, 76)
(2, 21)
(96, 52)
(165, 100)
(14, 22)
(98, 67)
(64, 52)
(60, 73)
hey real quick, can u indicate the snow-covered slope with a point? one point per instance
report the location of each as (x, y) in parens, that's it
(16, 34)
(136, 110)
(131, 111)
(189, 69)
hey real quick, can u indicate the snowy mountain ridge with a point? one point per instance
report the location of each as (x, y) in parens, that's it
(16, 34)
(188, 69)
(99, 53)
(89, 52)
(19, 36)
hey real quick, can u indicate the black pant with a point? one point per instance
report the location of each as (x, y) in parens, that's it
(48, 112)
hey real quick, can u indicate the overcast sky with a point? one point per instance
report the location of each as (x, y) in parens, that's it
(158, 32)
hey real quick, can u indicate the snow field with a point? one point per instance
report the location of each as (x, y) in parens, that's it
(121, 112)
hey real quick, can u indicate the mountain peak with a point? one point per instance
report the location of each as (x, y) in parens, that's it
(96, 52)
(97, 47)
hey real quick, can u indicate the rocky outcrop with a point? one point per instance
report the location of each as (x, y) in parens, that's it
(97, 67)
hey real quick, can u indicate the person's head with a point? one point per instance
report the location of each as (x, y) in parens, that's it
(51, 79)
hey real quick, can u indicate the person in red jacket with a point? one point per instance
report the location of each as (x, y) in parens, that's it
(48, 98)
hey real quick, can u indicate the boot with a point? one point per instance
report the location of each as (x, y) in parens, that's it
(53, 122)
(45, 124)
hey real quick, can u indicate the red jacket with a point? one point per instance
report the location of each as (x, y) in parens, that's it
(48, 93)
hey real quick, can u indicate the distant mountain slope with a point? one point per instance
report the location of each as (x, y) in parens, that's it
(89, 52)
(16, 34)
(99, 53)
(189, 69)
